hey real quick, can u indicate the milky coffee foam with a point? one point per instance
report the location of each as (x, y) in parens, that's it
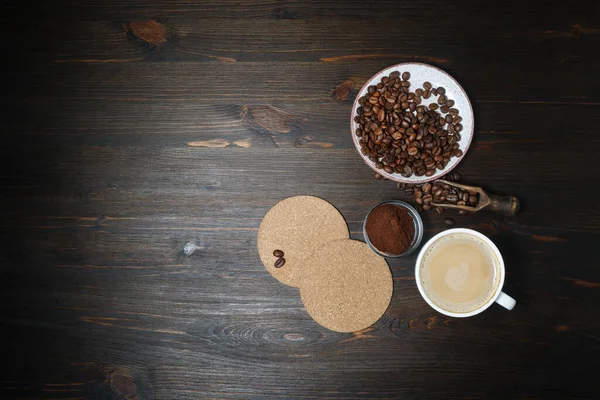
(459, 272)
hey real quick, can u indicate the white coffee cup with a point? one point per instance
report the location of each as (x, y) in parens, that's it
(498, 295)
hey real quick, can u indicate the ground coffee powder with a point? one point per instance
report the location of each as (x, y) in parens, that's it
(390, 228)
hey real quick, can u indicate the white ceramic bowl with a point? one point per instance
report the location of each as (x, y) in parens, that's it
(420, 73)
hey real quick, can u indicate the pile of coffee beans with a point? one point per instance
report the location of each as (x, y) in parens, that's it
(441, 193)
(280, 262)
(400, 135)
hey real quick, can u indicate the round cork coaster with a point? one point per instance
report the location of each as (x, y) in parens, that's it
(296, 226)
(345, 286)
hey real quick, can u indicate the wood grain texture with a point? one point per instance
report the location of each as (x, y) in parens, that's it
(132, 128)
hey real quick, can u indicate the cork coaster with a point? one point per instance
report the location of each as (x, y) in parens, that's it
(345, 286)
(297, 225)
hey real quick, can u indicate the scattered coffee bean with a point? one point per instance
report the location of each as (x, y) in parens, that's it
(280, 262)
(449, 221)
(278, 253)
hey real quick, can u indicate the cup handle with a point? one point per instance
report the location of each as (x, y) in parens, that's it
(506, 301)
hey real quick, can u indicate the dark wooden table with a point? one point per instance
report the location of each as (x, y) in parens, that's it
(133, 127)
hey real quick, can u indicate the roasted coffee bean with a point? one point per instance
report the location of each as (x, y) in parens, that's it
(452, 198)
(439, 210)
(458, 153)
(427, 85)
(450, 103)
(444, 109)
(464, 196)
(461, 203)
(278, 253)
(405, 76)
(378, 176)
(427, 187)
(473, 200)
(280, 262)
(463, 212)
(419, 200)
(426, 207)
(449, 221)
(453, 112)
(427, 198)
(398, 134)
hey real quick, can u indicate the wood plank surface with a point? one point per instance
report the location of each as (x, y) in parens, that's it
(133, 128)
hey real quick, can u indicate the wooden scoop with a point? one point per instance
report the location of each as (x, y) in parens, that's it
(506, 205)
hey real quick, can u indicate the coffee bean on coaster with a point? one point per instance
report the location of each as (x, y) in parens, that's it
(292, 229)
(345, 287)
(393, 229)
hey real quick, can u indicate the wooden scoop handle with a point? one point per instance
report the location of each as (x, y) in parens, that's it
(506, 205)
